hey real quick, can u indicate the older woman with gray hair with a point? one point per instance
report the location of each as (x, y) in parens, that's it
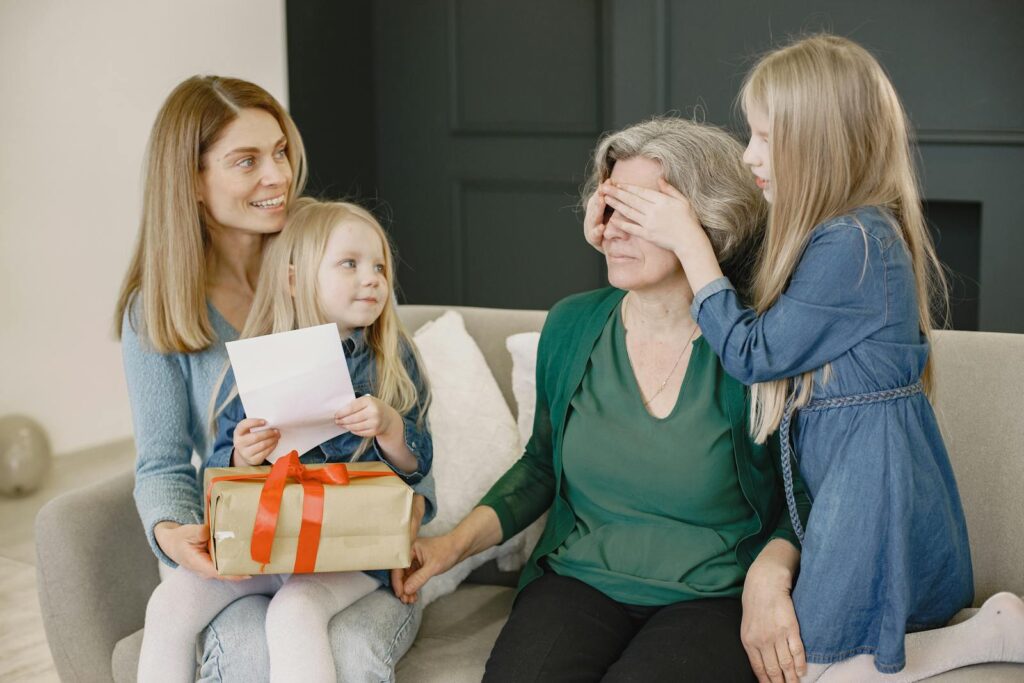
(667, 532)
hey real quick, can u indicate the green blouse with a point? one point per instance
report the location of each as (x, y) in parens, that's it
(657, 502)
(537, 481)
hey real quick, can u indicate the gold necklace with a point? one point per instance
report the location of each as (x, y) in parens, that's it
(664, 382)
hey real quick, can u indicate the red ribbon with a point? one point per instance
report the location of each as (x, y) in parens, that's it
(312, 480)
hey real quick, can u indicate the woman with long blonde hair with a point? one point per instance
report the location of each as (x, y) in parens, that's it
(331, 265)
(224, 164)
(836, 347)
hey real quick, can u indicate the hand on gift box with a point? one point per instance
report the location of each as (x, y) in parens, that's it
(419, 507)
(188, 545)
(253, 447)
(480, 530)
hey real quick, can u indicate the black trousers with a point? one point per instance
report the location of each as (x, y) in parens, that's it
(562, 629)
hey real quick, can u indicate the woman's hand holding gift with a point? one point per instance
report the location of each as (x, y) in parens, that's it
(253, 447)
(419, 508)
(188, 546)
(430, 557)
(480, 530)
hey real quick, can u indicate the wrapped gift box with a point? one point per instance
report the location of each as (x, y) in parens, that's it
(364, 523)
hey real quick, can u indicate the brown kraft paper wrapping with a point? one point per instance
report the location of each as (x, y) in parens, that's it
(365, 523)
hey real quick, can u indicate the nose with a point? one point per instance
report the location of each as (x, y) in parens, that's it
(613, 228)
(273, 173)
(749, 155)
(371, 277)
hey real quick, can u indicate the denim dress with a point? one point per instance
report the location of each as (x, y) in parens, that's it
(362, 369)
(885, 549)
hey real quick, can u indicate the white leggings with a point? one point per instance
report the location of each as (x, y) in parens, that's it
(300, 610)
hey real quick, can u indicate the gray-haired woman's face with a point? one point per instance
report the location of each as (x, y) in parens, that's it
(635, 263)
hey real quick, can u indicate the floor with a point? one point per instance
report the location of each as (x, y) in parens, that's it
(24, 654)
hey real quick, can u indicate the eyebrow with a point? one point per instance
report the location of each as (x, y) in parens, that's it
(254, 150)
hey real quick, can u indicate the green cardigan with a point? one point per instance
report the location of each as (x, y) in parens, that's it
(528, 488)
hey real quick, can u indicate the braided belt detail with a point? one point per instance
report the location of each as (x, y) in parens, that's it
(788, 456)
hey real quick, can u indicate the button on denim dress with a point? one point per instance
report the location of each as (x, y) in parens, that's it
(885, 550)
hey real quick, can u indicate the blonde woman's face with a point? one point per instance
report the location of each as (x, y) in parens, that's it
(635, 263)
(246, 175)
(351, 285)
(757, 156)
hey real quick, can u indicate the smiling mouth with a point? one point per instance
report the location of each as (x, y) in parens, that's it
(367, 300)
(269, 203)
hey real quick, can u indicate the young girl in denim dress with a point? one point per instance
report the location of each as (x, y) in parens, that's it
(331, 264)
(836, 348)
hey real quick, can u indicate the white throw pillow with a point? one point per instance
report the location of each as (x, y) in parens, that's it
(523, 348)
(475, 436)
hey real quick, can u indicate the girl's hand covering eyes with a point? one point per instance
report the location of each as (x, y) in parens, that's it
(663, 217)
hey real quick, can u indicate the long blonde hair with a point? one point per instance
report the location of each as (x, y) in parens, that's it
(839, 140)
(287, 299)
(705, 164)
(168, 267)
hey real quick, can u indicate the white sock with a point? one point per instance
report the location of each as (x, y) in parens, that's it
(297, 622)
(994, 634)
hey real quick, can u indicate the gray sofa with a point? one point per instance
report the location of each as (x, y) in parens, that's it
(95, 570)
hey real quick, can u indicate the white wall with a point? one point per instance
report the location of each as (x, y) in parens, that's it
(80, 85)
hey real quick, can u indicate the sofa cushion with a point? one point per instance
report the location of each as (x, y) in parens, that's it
(456, 636)
(475, 437)
(125, 660)
(979, 405)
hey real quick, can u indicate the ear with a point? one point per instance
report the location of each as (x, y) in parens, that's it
(291, 280)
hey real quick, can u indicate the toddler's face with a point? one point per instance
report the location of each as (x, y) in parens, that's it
(352, 286)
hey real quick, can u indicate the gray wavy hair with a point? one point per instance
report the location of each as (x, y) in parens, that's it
(705, 163)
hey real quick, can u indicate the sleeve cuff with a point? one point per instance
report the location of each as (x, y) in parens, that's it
(171, 505)
(178, 517)
(786, 535)
(425, 488)
(708, 290)
(505, 516)
(415, 442)
(220, 458)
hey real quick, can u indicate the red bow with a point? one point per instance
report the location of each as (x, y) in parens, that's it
(312, 480)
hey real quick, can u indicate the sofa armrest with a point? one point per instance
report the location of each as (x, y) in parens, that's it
(95, 574)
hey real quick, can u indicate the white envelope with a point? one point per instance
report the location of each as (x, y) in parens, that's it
(295, 381)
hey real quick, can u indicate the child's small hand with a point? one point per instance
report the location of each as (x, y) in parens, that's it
(664, 216)
(593, 221)
(253, 448)
(368, 416)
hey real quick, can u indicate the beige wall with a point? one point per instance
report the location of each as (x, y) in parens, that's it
(80, 84)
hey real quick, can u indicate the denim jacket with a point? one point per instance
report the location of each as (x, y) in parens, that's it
(362, 368)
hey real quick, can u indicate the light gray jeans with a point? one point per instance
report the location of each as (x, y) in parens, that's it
(367, 640)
